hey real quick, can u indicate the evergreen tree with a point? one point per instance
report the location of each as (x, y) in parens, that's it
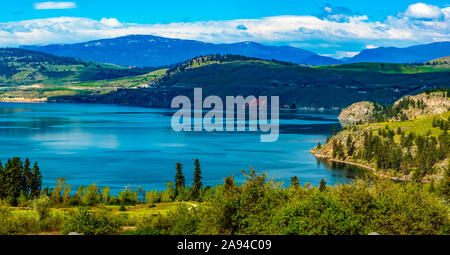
(13, 174)
(197, 186)
(295, 183)
(319, 145)
(2, 182)
(179, 179)
(27, 177)
(36, 181)
(322, 185)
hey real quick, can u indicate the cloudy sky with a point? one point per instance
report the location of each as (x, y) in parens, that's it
(338, 28)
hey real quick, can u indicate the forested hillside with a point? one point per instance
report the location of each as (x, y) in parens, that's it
(410, 143)
(299, 87)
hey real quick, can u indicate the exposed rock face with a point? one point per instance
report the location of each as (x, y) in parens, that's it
(424, 104)
(434, 103)
(357, 112)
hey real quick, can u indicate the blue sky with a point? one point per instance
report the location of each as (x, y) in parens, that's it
(150, 11)
(336, 28)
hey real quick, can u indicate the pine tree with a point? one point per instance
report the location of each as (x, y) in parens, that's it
(295, 182)
(322, 185)
(197, 186)
(179, 179)
(2, 182)
(13, 174)
(27, 177)
(319, 146)
(36, 182)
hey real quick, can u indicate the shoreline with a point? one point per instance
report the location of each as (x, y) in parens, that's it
(371, 169)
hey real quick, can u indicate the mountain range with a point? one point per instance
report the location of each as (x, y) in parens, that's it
(154, 51)
(413, 54)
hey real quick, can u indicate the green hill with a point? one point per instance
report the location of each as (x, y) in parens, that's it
(29, 75)
(413, 149)
(440, 61)
(298, 86)
(22, 67)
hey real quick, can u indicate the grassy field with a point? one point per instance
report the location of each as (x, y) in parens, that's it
(133, 214)
(47, 90)
(27, 75)
(420, 126)
(140, 210)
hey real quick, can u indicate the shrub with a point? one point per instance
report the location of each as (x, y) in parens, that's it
(101, 222)
(152, 197)
(41, 205)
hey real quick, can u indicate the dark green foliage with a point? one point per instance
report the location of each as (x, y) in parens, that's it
(128, 197)
(322, 185)
(317, 214)
(442, 124)
(2, 181)
(197, 185)
(202, 60)
(36, 183)
(387, 154)
(385, 112)
(350, 145)
(179, 179)
(295, 183)
(259, 206)
(13, 177)
(338, 150)
(27, 179)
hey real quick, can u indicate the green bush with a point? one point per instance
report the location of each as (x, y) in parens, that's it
(318, 214)
(41, 205)
(101, 222)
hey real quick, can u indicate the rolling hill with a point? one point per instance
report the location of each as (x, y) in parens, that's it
(148, 50)
(30, 76)
(439, 61)
(23, 67)
(411, 148)
(298, 86)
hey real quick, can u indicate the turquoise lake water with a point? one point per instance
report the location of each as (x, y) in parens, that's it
(120, 146)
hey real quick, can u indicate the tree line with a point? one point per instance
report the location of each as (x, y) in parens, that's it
(19, 185)
(19, 181)
(413, 152)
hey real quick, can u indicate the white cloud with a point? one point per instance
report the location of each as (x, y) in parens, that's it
(345, 54)
(54, 5)
(423, 11)
(370, 46)
(397, 31)
(111, 22)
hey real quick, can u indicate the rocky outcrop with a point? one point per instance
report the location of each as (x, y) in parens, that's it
(357, 112)
(430, 103)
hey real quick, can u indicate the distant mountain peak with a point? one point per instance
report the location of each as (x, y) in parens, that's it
(150, 50)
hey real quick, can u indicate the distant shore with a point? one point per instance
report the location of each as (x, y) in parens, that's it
(23, 100)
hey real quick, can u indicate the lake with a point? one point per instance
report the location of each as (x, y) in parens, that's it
(120, 146)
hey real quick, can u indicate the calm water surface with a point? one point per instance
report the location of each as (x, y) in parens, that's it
(119, 146)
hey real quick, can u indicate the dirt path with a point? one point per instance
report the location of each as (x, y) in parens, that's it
(191, 204)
